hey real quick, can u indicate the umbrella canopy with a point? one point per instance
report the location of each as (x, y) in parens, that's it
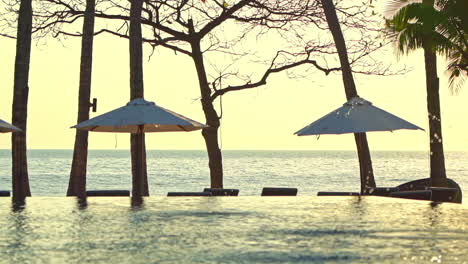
(6, 127)
(356, 116)
(141, 116)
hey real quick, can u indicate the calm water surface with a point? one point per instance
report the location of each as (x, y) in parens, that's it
(245, 229)
(249, 171)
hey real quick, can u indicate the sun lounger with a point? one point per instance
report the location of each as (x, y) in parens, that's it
(441, 194)
(189, 194)
(338, 194)
(222, 192)
(108, 193)
(4, 193)
(274, 191)
(415, 195)
(451, 193)
(380, 191)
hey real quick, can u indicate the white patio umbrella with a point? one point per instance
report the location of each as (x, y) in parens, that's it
(140, 116)
(356, 116)
(6, 127)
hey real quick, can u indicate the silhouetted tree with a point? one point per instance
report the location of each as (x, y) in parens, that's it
(365, 162)
(138, 151)
(421, 33)
(77, 183)
(20, 101)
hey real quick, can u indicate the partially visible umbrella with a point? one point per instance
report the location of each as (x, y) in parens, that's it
(6, 127)
(356, 116)
(140, 116)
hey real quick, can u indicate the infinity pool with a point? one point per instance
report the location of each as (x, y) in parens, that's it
(301, 229)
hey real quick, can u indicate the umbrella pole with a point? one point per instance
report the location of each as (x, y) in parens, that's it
(142, 154)
(137, 190)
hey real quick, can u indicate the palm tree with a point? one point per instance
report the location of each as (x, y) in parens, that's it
(20, 177)
(365, 162)
(140, 186)
(77, 183)
(443, 21)
(420, 25)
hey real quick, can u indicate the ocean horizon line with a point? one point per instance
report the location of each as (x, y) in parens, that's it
(279, 150)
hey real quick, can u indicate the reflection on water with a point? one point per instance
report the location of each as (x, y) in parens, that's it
(233, 230)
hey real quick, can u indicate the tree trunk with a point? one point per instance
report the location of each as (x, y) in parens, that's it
(138, 149)
(138, 186)
(437, 160)
(20, 178)
(137, 144)
(210, 134)
(77, 182)
(365, 162)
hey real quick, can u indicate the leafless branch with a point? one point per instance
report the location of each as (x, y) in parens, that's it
(273, 68)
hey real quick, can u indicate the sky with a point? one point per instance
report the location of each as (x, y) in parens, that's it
(263, 118)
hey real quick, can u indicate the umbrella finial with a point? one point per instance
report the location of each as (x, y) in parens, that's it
(357, 101)
(140, 101)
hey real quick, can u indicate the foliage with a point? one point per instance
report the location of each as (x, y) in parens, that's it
(444, 26)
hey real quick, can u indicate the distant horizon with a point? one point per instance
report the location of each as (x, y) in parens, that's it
(264, 118)
(330, 150)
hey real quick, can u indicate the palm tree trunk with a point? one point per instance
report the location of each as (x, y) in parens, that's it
(210, 134)
(20, 178)
(437, 160)
(77, 182)
(138, 149)
(365, 162)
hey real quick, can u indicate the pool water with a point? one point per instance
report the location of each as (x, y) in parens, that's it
(302, 229)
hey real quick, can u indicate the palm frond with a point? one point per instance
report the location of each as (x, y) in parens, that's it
(444, 27)
(457, 79)
(457, 70)
(410, 39)
(393, 6)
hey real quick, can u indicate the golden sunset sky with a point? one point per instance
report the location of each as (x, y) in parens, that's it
(263, 118)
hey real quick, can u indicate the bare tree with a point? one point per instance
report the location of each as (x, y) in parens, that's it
(365, 162)
(77, 182)
(140, 185)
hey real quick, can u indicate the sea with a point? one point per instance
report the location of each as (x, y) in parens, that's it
(51, 228)
(249, 171)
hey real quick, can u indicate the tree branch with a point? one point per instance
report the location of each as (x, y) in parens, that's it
(223, 17)
(7, 36)
(272, 69)
(152, 42)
